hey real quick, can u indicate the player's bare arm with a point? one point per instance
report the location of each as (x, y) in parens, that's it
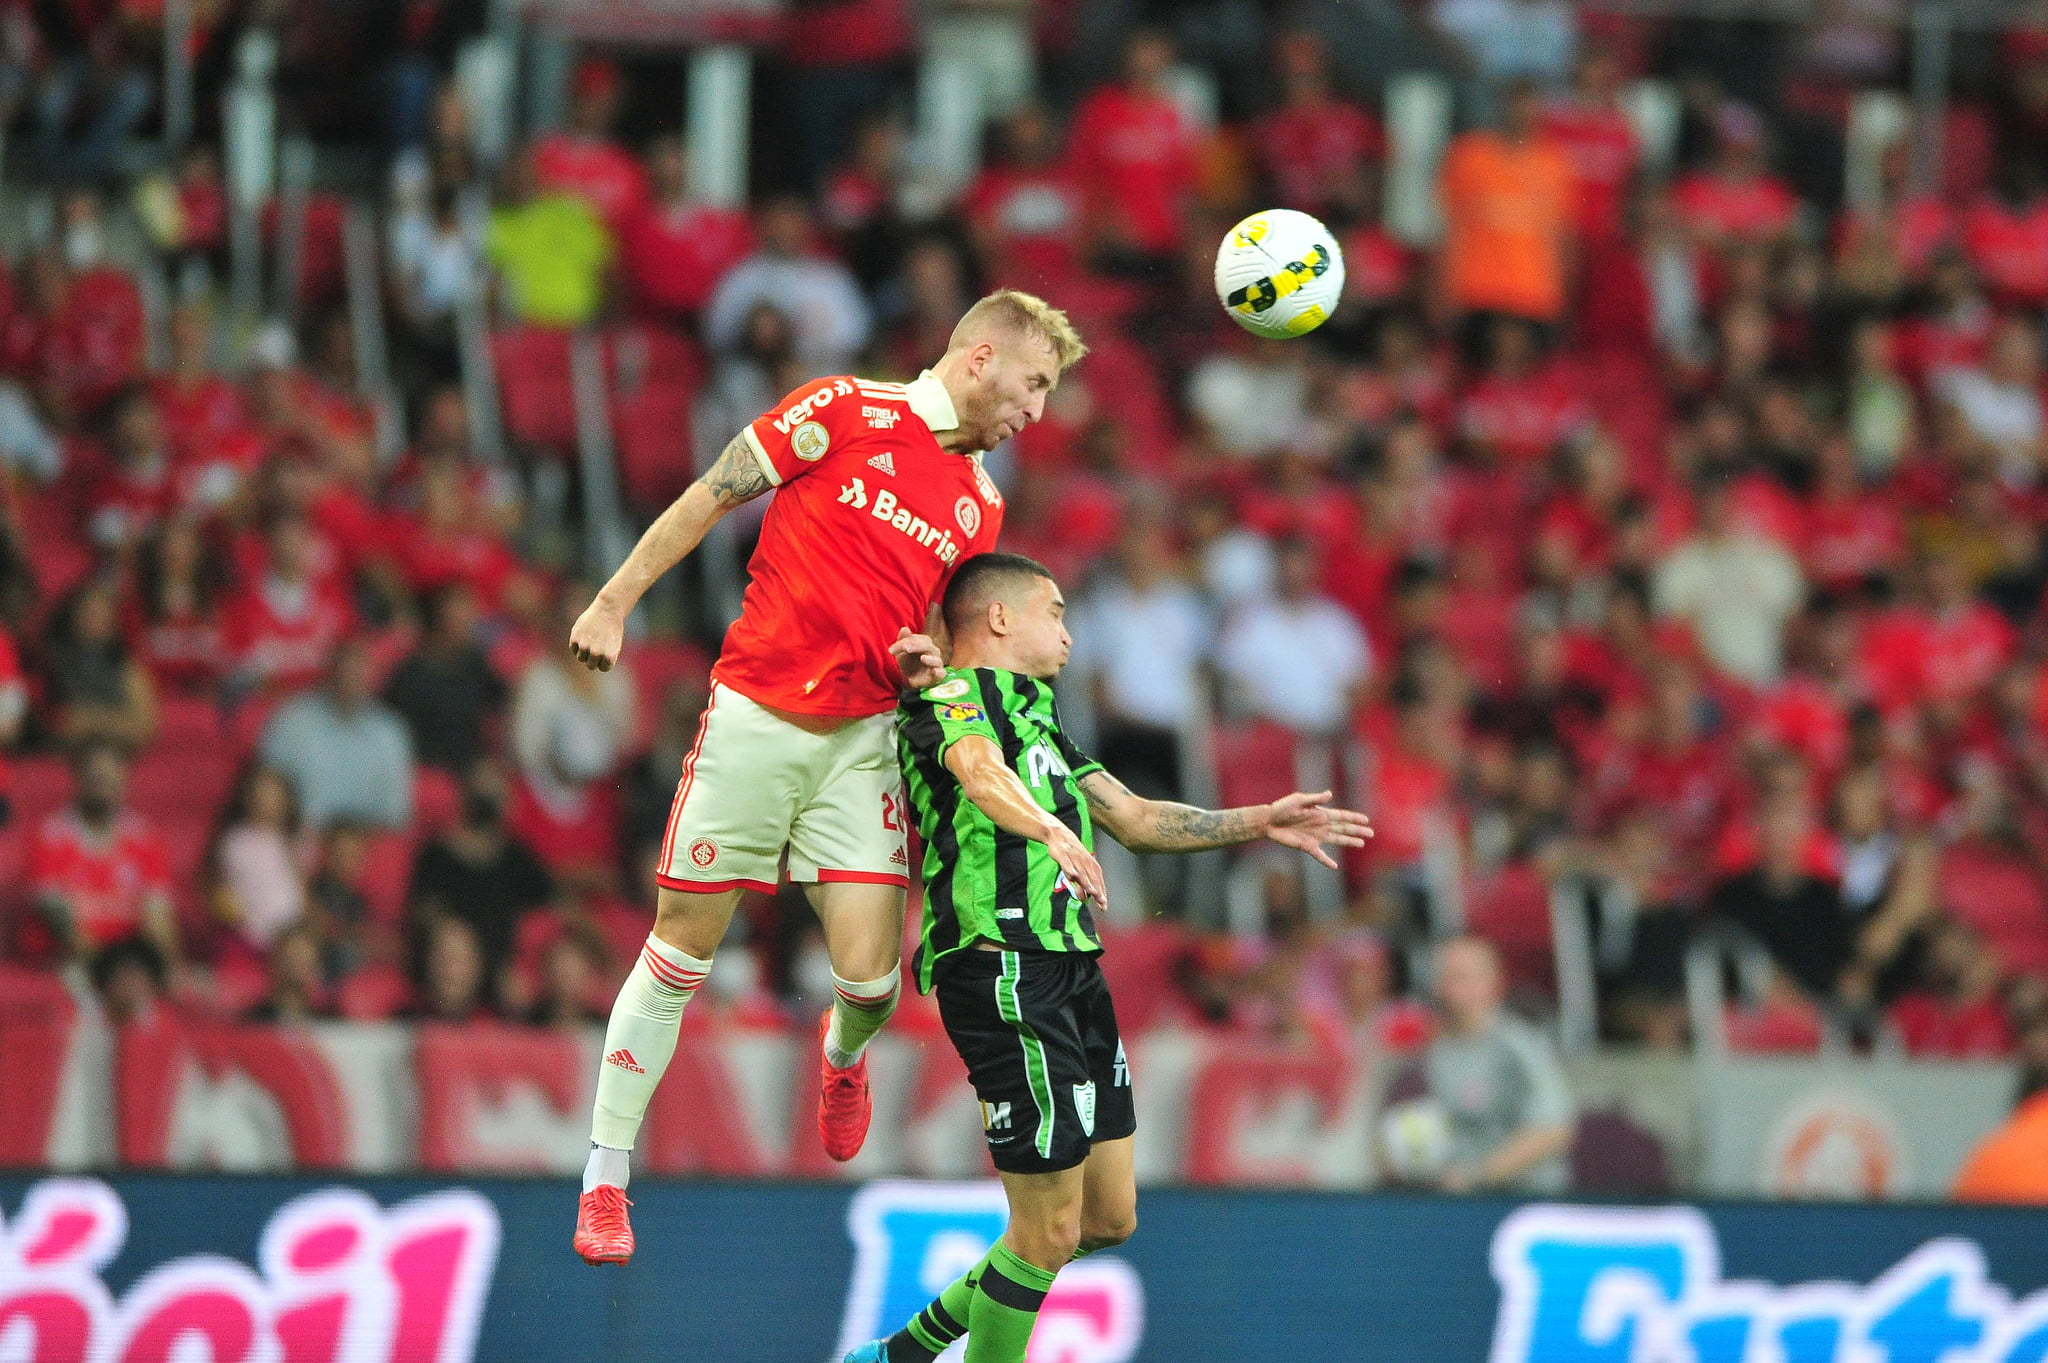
(1305, 822)
(997, 792)
(736, 477)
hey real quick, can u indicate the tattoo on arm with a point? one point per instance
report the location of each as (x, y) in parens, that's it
(1183, 828)
(737, 476)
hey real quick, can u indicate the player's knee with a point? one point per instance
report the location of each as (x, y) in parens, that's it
(1050, 1239)
(1107, 1232)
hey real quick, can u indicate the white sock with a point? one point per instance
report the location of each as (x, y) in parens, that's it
(607, 1165)
(858, 1011)
(640, 1038)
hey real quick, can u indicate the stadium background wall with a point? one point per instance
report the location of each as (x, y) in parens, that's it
(783, 1271)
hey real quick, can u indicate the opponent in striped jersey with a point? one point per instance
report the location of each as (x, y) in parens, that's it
(1009, 808)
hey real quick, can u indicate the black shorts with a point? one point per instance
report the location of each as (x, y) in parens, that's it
(1039, 1037)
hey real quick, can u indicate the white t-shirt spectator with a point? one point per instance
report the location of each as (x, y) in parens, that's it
(345, 766)
(2007, 416)
(1296, 662)
(1737, 592)
(820, 297)
(1147, 647)
(566, 736)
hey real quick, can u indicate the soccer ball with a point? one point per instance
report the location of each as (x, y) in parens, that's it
(1415, 1140)
(1279, 273)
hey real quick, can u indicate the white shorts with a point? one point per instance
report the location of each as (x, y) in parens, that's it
(754, 784)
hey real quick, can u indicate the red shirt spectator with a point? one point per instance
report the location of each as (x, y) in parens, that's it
(107, 879)
(196, 406)
(1312, 147)
(582, 159)
(1377, 265)
(1850, 534)
(2008, 244)
(449, 539)
(1522, 416)
(1601, 145)
(1736, 198)
(673, 250)
(94, 343)
(1027, 211)
(281, 627)
(1135, 152)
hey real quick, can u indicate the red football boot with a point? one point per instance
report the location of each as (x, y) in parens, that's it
(844, 1106)
(603, 1235)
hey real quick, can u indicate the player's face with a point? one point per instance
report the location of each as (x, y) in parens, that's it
(1040, 635)
(1013, 381)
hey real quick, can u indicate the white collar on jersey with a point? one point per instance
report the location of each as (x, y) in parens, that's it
(932, 403)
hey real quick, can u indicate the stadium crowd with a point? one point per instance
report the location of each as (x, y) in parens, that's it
(1666, 540)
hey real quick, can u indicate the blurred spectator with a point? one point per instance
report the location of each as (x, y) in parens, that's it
(97, 872)
(551, 251)
(1999, 401)
(651, 781)
(298, 989)
(1297, 657)
(1888, 889)
(1509, 1108)
(95, 330)
(453, 983)
(583, 159)
(923, 303)
(28, 444)
(479, 871)
(570, 973)
(1249, 398)
(570, 728)
(437, 264)
(1027, 207)
(1134, 151)
(1508, 206)
(1593, 129)
(1880, 415)
(255, 868)
(337, 910)
(1956, 1010)
(818, 295)
(1232, 563)
(138, 485)
(195, 403)
(1141, 640)
(96, 86)
(1512, 39)
(129, 978)
(1735, 199)
(673, 250)
(175, 615)
(1797, 915)
(1733, 586)
(847, 59)
(2005, 234)
(346, 753)
(282, 628)
(860, 205)
(446, 689)
(448, 540)
(96, 690)
(2011, 1164)
(1312, 146)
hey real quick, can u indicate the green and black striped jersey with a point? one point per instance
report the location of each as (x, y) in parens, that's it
(981, 883)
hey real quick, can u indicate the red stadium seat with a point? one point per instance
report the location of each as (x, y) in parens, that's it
(2002, 897)
(182, 785)
(187, 724)
(1774, 1029)
(1512, 910)
(534, 390)
(653, 377)
(436, 801)
(372, 994)
(387, 870)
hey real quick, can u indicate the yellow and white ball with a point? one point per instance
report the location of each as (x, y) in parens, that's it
(1279, 273)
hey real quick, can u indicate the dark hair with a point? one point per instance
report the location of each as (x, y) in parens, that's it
(977, 581)
(109, 959)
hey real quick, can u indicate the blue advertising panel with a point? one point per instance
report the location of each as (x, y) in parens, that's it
(170, 1269)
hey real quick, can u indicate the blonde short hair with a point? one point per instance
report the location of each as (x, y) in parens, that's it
(1026, 314)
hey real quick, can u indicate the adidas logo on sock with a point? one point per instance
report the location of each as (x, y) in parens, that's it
(883, 462)
(623, 1058)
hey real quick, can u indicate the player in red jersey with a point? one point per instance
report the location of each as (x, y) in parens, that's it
(880, 495)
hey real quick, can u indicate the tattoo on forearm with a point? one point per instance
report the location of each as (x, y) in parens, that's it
(1182, 828)
(737, 476)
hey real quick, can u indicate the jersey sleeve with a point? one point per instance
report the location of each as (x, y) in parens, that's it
(791, 437)
(939, 716)
(1080, 764)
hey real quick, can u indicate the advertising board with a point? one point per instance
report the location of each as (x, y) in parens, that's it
(178, 1269)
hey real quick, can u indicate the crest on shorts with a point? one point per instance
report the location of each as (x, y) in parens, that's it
(703, 852)
(968, 513)
(948, 690)
(809, 441)
(1084, 1106)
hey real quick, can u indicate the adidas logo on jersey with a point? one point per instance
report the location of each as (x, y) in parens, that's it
(883, 462)
(623, 1058)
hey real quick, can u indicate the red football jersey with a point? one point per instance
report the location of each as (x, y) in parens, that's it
(870, 518)
(107, 883)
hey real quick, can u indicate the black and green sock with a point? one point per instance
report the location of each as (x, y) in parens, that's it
(939, 1324)
(1005, 1307)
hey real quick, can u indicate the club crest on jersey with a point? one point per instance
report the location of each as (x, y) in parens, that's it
(810, 441)
(966, 712)
(948, 690)
(968, 514)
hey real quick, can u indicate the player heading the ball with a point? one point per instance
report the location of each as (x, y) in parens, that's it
(881, 495)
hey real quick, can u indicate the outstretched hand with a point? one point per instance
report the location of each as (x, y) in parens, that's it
(918, 657)
(1081, 868)
(1308, 824)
